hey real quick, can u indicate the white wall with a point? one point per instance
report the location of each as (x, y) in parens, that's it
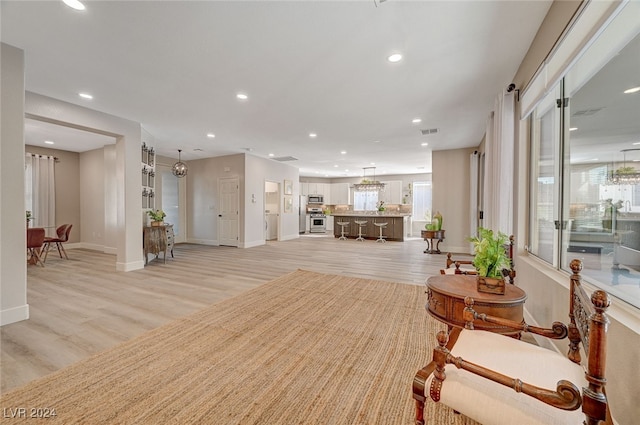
(92, 199)
(202, 195)
(13, 245)
(260, 170)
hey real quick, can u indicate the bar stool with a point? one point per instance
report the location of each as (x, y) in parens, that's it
(381, 226)
(361, 224)
(342, 224)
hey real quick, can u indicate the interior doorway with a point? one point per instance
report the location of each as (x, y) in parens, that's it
(271, 210)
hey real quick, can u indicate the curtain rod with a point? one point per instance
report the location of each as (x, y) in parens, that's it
(55, 158)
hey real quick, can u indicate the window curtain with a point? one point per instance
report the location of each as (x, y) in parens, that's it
(499, 165)
(40, 193)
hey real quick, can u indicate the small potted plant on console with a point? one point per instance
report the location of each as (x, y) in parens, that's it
(491, 260)
(157, 217)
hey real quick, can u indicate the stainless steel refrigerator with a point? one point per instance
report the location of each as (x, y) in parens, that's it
(303, 213)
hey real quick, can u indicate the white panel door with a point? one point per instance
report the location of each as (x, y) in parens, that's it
(228, 221)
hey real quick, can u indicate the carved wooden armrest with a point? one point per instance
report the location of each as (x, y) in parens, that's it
(558, 330)
(566, 396)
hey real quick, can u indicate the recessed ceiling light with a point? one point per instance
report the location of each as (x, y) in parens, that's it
(211, 135)
(632, 90)
(343, 152)
(396, 57)
(335, 166)
(48, 142)
(271, 154)
(424, 144)
(346, 171)
(85, 95)
(372, 163)
(242, 96)
(376, 141)
(573, 128)
(313, 135)
(74, 4)
(416, 120)
(636, 143)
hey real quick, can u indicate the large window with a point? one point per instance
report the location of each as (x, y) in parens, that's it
(585, 169)
(365, 200)
(421, 201)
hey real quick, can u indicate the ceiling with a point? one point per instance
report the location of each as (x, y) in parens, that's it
(307, 67)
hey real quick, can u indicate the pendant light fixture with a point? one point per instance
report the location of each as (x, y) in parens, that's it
(179, 169)
(624, 175)
(367, 184)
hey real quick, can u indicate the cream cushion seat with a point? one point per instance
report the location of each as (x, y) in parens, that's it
(491, 403)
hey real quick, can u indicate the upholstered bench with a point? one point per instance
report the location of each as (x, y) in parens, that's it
(495, 379)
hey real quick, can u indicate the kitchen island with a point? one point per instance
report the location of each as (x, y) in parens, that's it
(397, 225)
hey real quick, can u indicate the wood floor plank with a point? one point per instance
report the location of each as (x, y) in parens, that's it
(81, 306)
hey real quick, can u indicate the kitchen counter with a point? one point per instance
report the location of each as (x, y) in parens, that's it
(397, 225)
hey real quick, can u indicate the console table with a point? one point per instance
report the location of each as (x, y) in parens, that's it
(432, 235)
(446, 294)
(157, 239)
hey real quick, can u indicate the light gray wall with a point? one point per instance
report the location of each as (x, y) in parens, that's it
(451, 188)
(92, 189)
(13, 245)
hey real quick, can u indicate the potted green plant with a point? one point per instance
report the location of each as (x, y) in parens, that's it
(491, 260)
(157, 217)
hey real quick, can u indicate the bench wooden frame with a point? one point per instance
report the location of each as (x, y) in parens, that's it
(588, 325)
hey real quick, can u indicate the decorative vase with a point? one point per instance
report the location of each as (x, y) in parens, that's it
(437, 217)
(157, 223)
(490, 285)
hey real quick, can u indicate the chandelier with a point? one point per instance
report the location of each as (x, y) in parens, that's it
(179, 169)
(366, 184)
(624, 174)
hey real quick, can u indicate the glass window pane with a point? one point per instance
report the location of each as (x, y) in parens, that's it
(602, 190)
(421, 201)
(545, 125)
(170, 200)
(365, 200)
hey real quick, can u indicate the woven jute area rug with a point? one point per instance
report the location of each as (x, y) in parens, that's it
(306, 348)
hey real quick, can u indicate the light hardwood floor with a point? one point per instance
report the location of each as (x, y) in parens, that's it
(81, 306)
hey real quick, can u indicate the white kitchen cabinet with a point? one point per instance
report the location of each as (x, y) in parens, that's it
(392, 193)
(304, 188)
(313, 189)
(339, 194)
(324, 189)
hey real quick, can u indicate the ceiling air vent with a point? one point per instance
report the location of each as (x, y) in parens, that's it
(429, 131)
(285, 158)
(587, 112)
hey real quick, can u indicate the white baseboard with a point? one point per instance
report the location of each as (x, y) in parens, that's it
(252, 244)
(203, 241)
(127, 267)
(13, 315)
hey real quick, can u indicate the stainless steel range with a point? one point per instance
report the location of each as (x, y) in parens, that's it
(318, 220)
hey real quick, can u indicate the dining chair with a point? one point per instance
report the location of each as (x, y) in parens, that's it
(62, 233)
(35, 242)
